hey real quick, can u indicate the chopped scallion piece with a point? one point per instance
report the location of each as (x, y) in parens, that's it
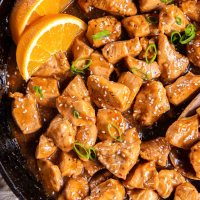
(100, 35)
(190, 29)
(178, 20)
(167, 1)
(38, 91)
(151, 49)
(119, 137)
(76, 70)
(140, 73)
(190, 33)
(175, 37)
(81, 151)
(92, 153)
(152, 19)
(76, 114)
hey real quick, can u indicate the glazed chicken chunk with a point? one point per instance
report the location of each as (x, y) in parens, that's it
(45, 148)
(168, 181)
(100, 66)
(186, 191)
(44, 90)
(110, 189)
(193, 50)
(195, 158)
(119, 157)
(116, 7)
(138, 194)
(149, 5)
(92, 167)
(143, 69)
(25, 113)
(69, 165)
(103, 30)
(172, 18)
(171, 62)
(115, 51)
(151, 103)
(50, 175)
(62, 133)
(108, 94)
(183, 88)
(144, 176)
(136, 26)
(156, 150)
(183, 133)
(75, 189)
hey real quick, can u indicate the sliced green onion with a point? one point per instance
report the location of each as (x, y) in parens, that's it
(151, 48)
(152, 19)
(38, 91)
(175, 37)
(92, 153)
(140, 73)
(80, 71)
(167, 1)
(100, 35)
(190, 29)
(119, 137)
(76, 114)
(190, 33)
(185, 39)
(178, 20)
(81, 151)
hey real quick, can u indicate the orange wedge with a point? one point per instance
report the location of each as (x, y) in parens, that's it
(44, 38)
(27, 11)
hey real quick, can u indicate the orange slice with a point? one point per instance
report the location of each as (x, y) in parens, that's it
(27, 11)
(44, 38)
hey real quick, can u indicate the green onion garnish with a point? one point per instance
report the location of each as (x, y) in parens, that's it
(190, 33)
(152, 19)
(80, 71)
(178, 20)
(167, 1)
(92, 153)
(119, 137)
(140, 73)
(100, 35)
(81, 151)
(151, 49)
(175, 37)
(76, 114)
(38, 91)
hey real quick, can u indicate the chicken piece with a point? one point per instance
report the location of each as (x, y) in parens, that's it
(172, 18)
(100, 25)
(100, 66)
(45, 90)
(168, 181)
(156, 150)
(110, 189)
(115, 51)
(171, 62)
(147, 194)
(87, 135)
(50, 175)
(183, 133)
(124, 153)
(183, 88)
(143, 69)
(78, 112)
(92, 167)
(108, 94)
(56, 67)
(76, 89)
(62, 133)
(136, 26)
(45, 148)
(112, 118)
(144, 176)
(191, 9)
(193, 50)
(151, 103)
(133, 82)
(116, 7)
(195, 158)
(69, 165)
(75, 189)
(186, 191)
(99, 178)
(25, 113)
(198, 111)
(149, 5)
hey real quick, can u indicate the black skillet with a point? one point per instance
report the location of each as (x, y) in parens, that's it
(12, 163)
